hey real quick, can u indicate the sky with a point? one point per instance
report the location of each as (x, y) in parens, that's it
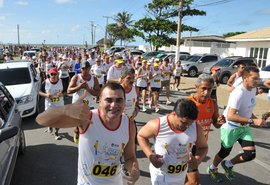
(69, 21)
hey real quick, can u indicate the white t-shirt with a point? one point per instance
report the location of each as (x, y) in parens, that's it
(97, 72)
(114, 73)
(54, 89)
(243, 101)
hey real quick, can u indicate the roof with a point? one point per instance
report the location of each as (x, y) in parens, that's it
(15, 64)
(208, 38)
(257, 35)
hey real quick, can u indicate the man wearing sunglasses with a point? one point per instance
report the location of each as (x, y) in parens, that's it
(52, 90)
(83, 83)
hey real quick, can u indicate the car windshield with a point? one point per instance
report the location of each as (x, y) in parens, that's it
(194, 58)
(161, 55)
(226, 62)
(15, 76)
(266, 68)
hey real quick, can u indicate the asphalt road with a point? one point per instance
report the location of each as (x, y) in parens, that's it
(51, 162)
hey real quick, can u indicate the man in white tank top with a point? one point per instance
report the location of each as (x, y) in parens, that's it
(174, 136)
(236, 78)
(107, 136)
(83, 83)
(52, 90)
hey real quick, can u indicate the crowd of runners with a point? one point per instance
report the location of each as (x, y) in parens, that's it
(120, 84)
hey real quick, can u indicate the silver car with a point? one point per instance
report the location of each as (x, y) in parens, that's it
(227, 66)
(195, 64)
(12, 140)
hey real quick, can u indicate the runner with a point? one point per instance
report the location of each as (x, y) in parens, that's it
(177, 72)
(166, 72)
(52, 89)
(107, 136)
(83, 83)
(114, 73)
(174, 136)
(239, 116)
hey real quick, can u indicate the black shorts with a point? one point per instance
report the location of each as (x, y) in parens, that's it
(177, 77)
(155, 89)
(142, 88)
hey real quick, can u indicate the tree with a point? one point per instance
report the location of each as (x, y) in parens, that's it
(160, 23)
(230, 34)
(122, 29)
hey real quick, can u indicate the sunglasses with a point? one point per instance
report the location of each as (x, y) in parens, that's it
(53, 74)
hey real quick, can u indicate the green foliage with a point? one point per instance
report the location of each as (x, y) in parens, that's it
(230, 34)
(160, 22)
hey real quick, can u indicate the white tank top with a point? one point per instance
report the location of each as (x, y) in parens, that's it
(89, 98)
(54, 89)
(100, 152)
(156, 81)
(166, 69)
(97, 72)
(142, 81)
(175, 148)
(131, 98)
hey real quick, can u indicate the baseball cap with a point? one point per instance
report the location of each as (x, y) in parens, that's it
(53, 70)
(119, 60)
(156, 64)
(85, 64)
(144, 61)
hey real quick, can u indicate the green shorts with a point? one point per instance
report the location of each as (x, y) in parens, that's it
(229, 136)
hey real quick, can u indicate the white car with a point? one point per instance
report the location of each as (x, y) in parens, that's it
(31, 54)
(23, 82)
(265, 73)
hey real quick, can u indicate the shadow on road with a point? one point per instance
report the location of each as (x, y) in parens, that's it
(58, 167)
(240, 179)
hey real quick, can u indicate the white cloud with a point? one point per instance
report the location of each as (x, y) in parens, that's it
(1, 3)
(22, 2)
(64, 1)
(2, 18)
(75, 28)
(48, 31)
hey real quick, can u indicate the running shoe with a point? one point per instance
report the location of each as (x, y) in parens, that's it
(214, 174)
(143, 109)
(228, 171)
(168, 102)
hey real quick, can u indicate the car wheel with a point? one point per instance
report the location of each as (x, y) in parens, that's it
(22, 147)
(192, 72)
(225, 78)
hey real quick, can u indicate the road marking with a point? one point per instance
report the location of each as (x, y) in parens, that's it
(262, 164)
(163, 107)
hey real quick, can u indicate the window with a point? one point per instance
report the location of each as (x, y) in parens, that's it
(6, 102)
(260, 54)
(14, 76)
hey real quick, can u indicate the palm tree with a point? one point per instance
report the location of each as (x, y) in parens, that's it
(123, 20)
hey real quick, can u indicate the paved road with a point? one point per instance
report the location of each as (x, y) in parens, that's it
(50, 162)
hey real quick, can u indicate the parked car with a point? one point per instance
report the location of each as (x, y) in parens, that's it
(23, 82)
(195, 64)
(171, 56)
(228, 66)
(134, 52)
(27, 54)
(114, 49)
(265, 73)
(12, 140)
(149, 55)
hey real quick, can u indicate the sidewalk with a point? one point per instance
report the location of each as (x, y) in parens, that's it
(262, 105)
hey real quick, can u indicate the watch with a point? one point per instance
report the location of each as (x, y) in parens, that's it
(250, 121)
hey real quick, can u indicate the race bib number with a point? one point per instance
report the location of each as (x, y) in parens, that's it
(174, 169)
(156, 80)
(55, 99)
(86, 102)
(104, 171)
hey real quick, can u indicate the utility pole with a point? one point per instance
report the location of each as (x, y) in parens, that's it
(18, 33)
(105, 37)
(179, 27)
(95, 26)
(92, 32)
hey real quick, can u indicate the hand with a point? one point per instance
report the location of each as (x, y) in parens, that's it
(78, 110)
(60, 94)
(259, 122)
(83, 85)
(134, 174)
(49, 95)
(221, 119)
(192, 162)
(156, 160)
